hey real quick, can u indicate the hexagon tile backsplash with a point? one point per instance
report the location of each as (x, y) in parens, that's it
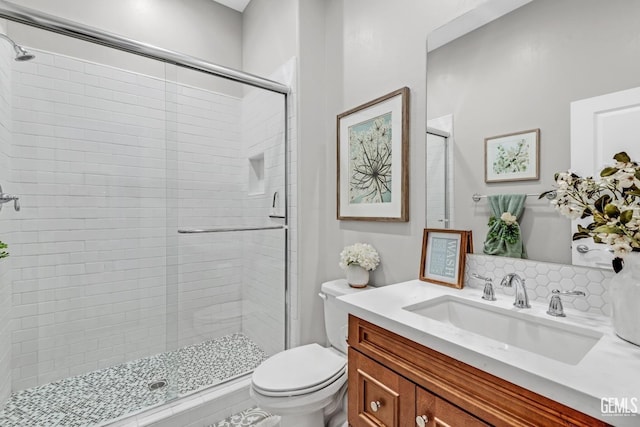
(543, 277)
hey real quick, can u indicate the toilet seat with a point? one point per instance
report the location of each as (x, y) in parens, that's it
(299, 371)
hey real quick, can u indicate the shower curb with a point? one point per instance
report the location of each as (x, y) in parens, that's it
(195, 410)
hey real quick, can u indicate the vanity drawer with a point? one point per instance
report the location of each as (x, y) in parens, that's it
(440, 413)
(378, 397)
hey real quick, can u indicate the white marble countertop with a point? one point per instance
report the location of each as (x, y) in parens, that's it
(611, 369)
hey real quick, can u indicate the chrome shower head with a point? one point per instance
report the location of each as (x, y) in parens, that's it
(21, 53)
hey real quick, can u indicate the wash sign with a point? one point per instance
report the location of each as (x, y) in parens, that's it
(444, 257)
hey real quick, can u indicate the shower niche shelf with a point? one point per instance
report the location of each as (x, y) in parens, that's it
(256, 175)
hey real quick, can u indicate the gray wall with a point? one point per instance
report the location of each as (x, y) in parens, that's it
(356, 51)
(319, 76)
(521, 72)
(350, 51)
(269, 35)
(200, 28)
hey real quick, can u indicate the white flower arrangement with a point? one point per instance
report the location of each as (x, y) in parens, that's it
(361, 254)
(612, 203)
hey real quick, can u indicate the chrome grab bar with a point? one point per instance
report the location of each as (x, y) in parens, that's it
(6, 198)
(228, 229)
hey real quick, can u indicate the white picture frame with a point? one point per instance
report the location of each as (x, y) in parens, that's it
(373, 160)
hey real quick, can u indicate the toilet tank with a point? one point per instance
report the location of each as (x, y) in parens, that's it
(335, 319)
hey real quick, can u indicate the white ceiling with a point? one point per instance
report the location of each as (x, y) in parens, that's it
(238, 5)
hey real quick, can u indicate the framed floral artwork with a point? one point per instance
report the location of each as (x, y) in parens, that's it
(512, 157)
(373, 160)
(444, 256)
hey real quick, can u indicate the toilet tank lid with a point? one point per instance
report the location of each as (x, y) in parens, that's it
(339, 287)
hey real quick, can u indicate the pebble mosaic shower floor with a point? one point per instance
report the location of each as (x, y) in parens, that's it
(106, 394)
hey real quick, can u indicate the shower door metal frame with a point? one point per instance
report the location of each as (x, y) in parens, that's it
(446, 221)
(45, 21)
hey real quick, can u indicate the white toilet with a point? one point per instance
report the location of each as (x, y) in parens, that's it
(306, 386)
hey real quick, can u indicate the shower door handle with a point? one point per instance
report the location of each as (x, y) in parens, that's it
(229, 229)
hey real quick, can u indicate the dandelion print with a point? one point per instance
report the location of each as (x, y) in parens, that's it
(370, 161)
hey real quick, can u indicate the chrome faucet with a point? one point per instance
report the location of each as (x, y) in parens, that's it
(522, 299)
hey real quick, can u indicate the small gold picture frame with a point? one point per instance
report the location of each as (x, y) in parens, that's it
(444, 255)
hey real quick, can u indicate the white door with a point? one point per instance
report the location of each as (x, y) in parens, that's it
(601, 127)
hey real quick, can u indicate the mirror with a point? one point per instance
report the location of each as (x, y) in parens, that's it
(518, 72)
(438, 173)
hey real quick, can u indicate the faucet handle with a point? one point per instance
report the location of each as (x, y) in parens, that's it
(477, 276)
(488, 293)
(555, 304)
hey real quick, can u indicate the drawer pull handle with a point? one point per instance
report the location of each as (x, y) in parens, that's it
(422, 420)
(375, 405)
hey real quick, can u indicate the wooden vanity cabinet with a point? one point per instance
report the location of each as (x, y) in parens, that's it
(394, 381)
(380, 397)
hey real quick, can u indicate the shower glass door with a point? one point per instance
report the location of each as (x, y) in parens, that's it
(89, 254)
(225, 227)
(112, 154)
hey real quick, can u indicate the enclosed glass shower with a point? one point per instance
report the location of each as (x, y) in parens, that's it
(150, 257)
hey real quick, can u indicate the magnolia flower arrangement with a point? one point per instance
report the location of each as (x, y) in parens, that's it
(613, 203)
(3, 253)
(361, 254)
(509, 230)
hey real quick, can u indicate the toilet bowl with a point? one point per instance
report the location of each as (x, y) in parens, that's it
(306, 385)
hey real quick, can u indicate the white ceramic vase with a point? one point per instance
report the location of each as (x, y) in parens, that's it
(357, 276)
(624, 291)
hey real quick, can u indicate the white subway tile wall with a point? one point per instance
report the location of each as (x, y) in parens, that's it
(263, 273)
(264, 252)
(89, 162)
(207, 134)
(5, 231)
(109, 164)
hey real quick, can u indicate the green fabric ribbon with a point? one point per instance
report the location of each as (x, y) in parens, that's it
(503, 239)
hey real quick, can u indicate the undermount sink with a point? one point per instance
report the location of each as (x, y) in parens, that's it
(546, 337)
